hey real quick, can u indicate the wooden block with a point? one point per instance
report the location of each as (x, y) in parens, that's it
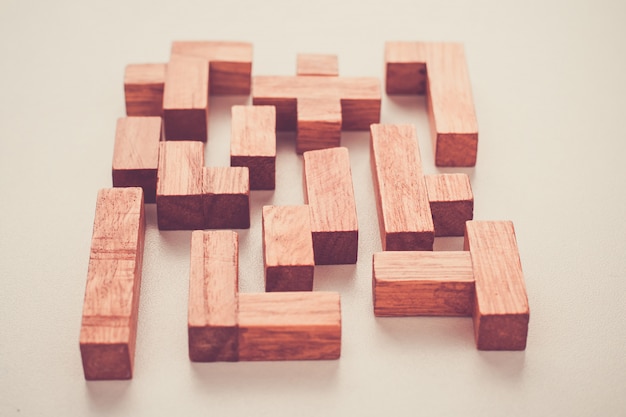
(451, 202)
(423, 284)
(501, 310)
(179, 197)
(226, 198)
(329, 192)
(319, 124)
(404, 214)
(289, 326)
(253, 144)
(230, 63)
(109, 324)
(136, 154)
(440, 71)
(212, 322)
(287, 248)
(186, 99)
(318, 64)
(143, 89)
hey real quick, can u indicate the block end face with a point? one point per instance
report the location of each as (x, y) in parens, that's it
(106, 361)
(456, 149)
(501, 331)
(213, 344)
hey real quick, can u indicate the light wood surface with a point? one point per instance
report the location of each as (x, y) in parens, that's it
(226, 197)
(329, 193)
(317, 64)
(289, 326)
(143, 89)
(136, 154)
(109, 323)
(451, 202)
(404, 214)
(253, 144)
(319, 124)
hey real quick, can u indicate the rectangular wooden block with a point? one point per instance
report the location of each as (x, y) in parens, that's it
(186, 99)
(318, 64)
(451, 202)
(288, 248)
(423, 284)
(213, 288)
(319, 124)
(404, 212)
(329, 193)
(179, 186)
(136, 154)
(226, 198)
(289, 326)
(501, 310)
(109, 323)
(143, 89)
(253, 144)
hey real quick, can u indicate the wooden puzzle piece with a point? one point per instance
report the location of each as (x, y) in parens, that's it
(226, 198)
(329, 193)
(319, 124)
(440, 71)
(253, 144)
(109, 323)
(136, 154)
(451, 202)
(143, 89)
(317, 64)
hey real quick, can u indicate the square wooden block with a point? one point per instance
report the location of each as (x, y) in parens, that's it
(451, 202)
(319, 124)
(143, 89)
(318, 64)
(226, 198)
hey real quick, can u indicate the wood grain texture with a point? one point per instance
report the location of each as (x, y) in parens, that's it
(179, 198)
(253, 144)
(440, 71)
(317, 64)
(213, 288)
(230, 63)
(451, 202)
(143, 89)
(329, 193)
(186, 99)
(501, 310)
(289, 326)
(319, 124)
(288, 248)
(423, 284)
(109, 323)
(136, 154)
(226, 197)
(404, 214)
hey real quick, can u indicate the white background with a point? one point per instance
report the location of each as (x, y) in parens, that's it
(550, 93)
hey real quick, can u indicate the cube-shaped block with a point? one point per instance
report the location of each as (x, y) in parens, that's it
(451, 202)
(319, 124)
(143, 89)
(226, 198)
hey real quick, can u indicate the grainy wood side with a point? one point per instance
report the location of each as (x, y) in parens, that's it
(143, 89)
(289, 326)
(319, 124)
(226, 197)
(317, 64)
(451, 202)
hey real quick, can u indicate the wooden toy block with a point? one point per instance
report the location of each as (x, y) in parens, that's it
(329, 193)
(404, 214)
(501, 310)
(451, 202)
(143, 89)
(423, 284)
(186, 99)
(319, 124)
(109, 323)
(318, 64)
(230, 63)
(179, 197)
(226, 198)
(212, 328)
(289, 326)
(287, 248)
(253, 144)
(440, 71)
(136, 154)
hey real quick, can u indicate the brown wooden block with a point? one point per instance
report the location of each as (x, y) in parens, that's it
(213, 288)
(319, 124)
(109, 323)
(179, 197)
(440, 71)
(329, 193)
(226, 198)
(143, 89)
(287, 248)
(404, 212)
(451, 202)
(501, 310)
(186, 99)
(423, 284)
(289, 326)
(253, 144)
(230, 63)
(318, 64)
(136, 154)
